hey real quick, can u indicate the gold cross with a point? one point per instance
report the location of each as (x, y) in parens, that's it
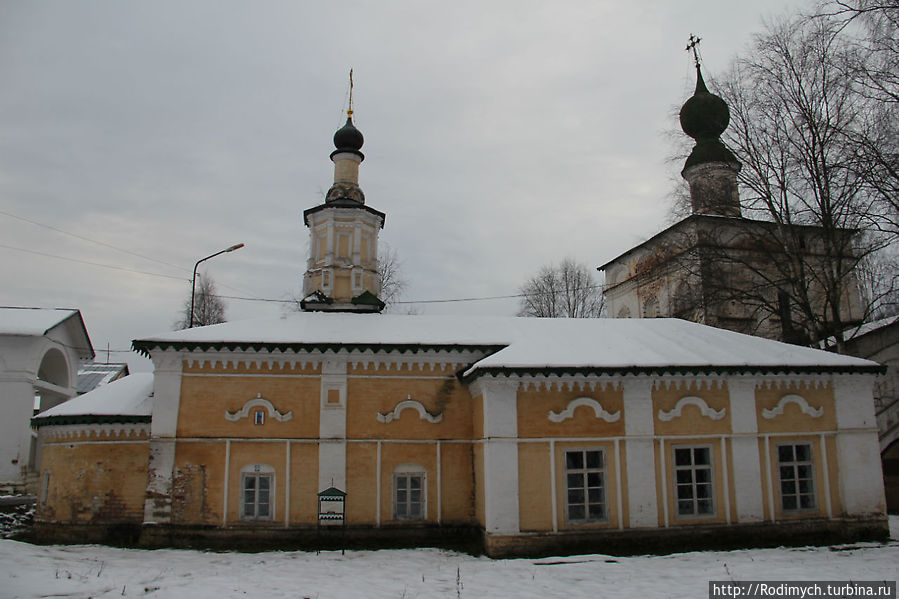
(349, 111)
(694, 41)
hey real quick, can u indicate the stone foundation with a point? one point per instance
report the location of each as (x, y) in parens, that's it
(471, 539)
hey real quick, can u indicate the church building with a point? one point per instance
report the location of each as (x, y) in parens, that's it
(720, 268)
(340, 425)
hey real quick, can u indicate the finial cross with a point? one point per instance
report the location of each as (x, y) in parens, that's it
(349, 111)
(694, 41)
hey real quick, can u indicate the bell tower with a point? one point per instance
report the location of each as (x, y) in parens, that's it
(342, 270)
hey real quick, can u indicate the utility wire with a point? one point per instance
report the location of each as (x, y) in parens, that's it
(433, 301)
(100, 243)
(113, 267)
(94, 241)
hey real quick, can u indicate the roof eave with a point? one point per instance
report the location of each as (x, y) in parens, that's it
(475, 372)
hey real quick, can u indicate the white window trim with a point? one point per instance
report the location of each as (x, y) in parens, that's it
(605, 486)
(411, 470)
(811, 463)
(257, 469)
(692, 467)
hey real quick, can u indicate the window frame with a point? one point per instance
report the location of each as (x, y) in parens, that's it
(794, 465)
(694, 484)
(584, 471)
(408, 472)
(257, 472)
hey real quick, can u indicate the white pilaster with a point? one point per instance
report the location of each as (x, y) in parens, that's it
(501, 457)
(747, 478)
(332, 426)
(858, 450)
(163, 430)
(638, 425)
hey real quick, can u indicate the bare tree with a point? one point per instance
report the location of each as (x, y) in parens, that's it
(564, 290)
(870, 28)
(390, 267)
(209, 308)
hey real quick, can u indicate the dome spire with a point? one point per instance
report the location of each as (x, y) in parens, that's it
(711, 168)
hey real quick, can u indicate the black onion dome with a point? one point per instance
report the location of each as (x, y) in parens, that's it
(704, 115)
(348, 138)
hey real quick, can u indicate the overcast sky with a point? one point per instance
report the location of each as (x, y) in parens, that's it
(499, 136)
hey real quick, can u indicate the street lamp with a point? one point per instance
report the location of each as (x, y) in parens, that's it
(193, 281)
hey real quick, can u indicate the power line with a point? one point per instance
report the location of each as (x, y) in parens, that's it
(110, 266)
(100, 243)
(89, 240)
(432, 301)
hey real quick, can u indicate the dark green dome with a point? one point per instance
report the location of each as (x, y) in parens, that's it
(348, 138)
(704, 115)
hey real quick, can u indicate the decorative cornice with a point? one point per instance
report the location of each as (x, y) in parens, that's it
(93, 431)
(409, 404)
(257, 402)
(574, 404)
(673, 370)
(691, 400)
(800, 401)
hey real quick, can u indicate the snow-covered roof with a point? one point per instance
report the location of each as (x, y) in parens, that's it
(31, 321)
(515, 343)
(35, 322)
(869, 327)
(128, 399)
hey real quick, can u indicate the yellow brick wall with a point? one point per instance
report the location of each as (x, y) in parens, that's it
(367, 397)
(691, 421)
(198, 483)
(793, 419)
(534, 487)
(94, 482)
(534, 407)
(457, 483)
(361, 480)
(304, 483)
(205, 399)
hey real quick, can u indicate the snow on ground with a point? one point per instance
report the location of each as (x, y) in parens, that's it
(96, 571)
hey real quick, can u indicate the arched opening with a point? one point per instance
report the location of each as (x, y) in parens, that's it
(54, 368)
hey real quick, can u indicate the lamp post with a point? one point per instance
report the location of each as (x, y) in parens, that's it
(193, 281)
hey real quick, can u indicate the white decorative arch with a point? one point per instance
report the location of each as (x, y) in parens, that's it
(258, 402)
(574, 404)
(409, 404)
(691, 400)
(796, 399)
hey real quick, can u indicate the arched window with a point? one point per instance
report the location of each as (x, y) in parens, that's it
(651, 307)
(624, 312)
(409, 492)
(257, 492)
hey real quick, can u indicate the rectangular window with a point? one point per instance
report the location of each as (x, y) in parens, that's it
(694, 491)
(797, 485)
(259, 417)
(409, 496)
(585, 485)
(257, 496)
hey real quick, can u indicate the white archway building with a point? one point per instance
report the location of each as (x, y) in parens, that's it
(39, 354)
